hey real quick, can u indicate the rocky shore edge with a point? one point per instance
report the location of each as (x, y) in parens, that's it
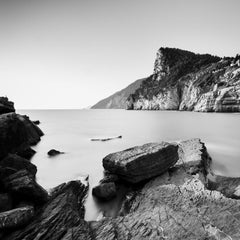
(173, 193)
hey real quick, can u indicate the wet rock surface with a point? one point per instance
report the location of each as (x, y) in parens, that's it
(142, 162)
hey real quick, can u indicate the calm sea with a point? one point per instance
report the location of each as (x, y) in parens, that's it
(70, 131)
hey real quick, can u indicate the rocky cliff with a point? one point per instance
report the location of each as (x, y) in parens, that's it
(119, 99)
(183, 80)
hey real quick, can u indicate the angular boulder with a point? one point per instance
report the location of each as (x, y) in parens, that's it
(60, 218)
(105, 191)
(17, 132)
(142, 162)
(23, 187)
(6, 106)
(15, 218)
(15, 162)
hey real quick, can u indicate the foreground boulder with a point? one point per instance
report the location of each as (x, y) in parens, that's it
(143, 162)
(6, 106)
(105, 191)
(15, 218)
(176, 205)
(60, 218)
(17, 132)
(23, 187)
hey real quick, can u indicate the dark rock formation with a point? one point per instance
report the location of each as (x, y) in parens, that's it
(176, 205)
(15, 218)
(105, 191)
(6, 106)
(54, 152)
(18, 163)
(26, 153)
(23, 187)
(5, 202)
(143, 162)
(119, 99)
(60, 218)
(17, 132)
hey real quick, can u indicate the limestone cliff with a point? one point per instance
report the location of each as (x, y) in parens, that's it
(183, 80)
(118, 99)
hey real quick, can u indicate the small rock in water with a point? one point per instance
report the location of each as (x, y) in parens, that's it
(54, 152)
(105, 191)
(37, 122)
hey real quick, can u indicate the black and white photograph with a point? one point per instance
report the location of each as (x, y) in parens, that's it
(119, 120)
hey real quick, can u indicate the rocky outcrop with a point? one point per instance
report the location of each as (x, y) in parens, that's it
(191, 82)
(17, 132)
(143, 162)
(118, 99)
(60, 218)
(176, 205)
(6, 106)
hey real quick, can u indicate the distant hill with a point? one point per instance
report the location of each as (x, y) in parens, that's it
(119, 99)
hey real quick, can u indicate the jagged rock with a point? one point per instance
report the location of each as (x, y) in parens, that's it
(60, 218)
(105, 191)
(17, 132)
(15, 218)
(23, 187)
(6, 106)
(5, 202)
(143, 162)
(15, 162)
(54, 152)
(176, 205)
(26, 153)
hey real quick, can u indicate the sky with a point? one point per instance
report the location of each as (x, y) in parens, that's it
(73, 53)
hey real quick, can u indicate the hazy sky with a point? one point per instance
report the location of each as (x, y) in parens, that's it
(70, 54)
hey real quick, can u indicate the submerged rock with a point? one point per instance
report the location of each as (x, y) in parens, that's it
(54, 152)
(15, 218)
(142, 162)
(105, 191)
(60, 218)
(105, 139)
(6, 106)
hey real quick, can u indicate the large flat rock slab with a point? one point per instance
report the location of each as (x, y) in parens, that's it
(142, 162)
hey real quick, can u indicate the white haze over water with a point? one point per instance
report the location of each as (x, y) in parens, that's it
(70, 131)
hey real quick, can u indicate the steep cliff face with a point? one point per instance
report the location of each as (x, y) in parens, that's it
(183, 80)
(119, 99)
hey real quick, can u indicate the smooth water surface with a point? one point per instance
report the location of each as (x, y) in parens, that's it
(70, 131)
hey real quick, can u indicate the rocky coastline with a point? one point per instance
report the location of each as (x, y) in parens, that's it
(172, 193)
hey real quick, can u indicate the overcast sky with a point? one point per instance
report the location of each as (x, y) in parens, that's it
(72, 53)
